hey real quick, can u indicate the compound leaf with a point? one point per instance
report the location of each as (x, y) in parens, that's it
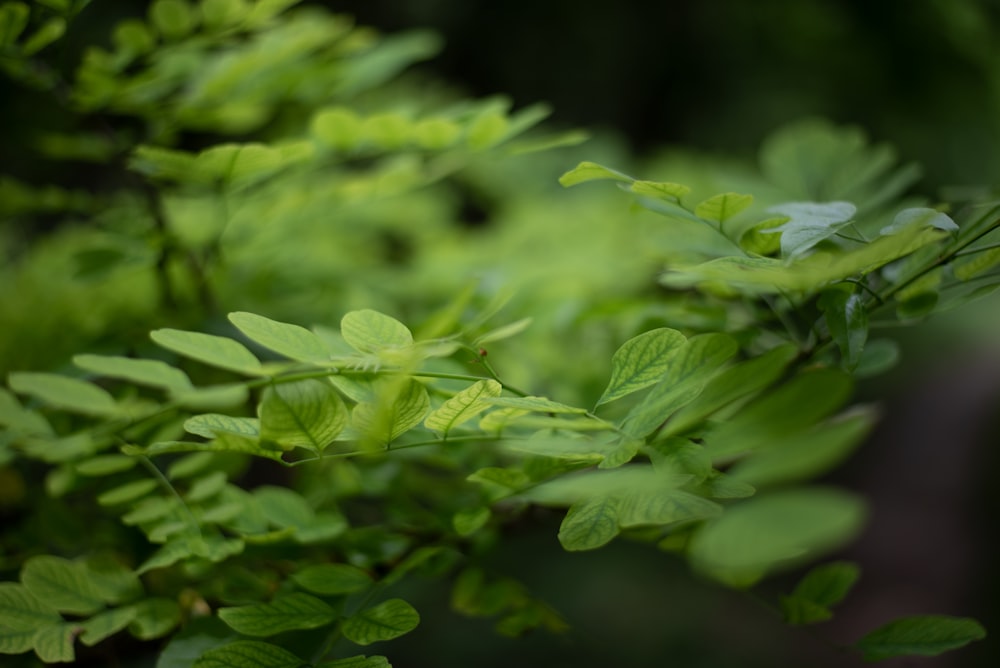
(385, 621)
(287, 613)
(369, 331)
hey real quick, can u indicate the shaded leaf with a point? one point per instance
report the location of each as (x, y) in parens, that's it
(536, 404)
(130, 491)
(920, 217)
(504, 332)
(357, 662)
(106, 624)
(395, 414)
(385, 621)
(847, 320)
(65, 585)
(248, 654)
(54, 644)
(822, 587)
(211, 425)
(810, 223)
(102, 465)
(640, 362)
(286, 613)
(70, 394)
(332, 579)
(154, 618)
(927, 635)
(589, 524)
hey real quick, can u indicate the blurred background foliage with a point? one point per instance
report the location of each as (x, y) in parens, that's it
(669, 91)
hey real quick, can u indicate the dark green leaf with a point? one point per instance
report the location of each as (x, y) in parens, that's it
(385, 621)
(847, 320)
(154, 618)
(21, 611)
(332, 579)
(54, 644)
(65, 585)
(589, 524)
(286, 613)
(357, 662)
(927, 635)
(722, 207)
(822, 587)
(248, 654)
(106, 624)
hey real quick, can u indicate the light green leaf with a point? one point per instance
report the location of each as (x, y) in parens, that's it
(672, 192)
(369, 331)
(357, 662)
(142, 372)
(217, 351)
(211, 425)
(680, 457)
(154, 618)
(106, 624)
(774, 530)
(732, 384)
(640, 362)
(220, 14)
(976, 263)
(338, 128)
(206, 487)
(284, 507)
(395, 413)
(126, 493)
(215, 397)
(789, 409)
(504, 332)
(536, 405)
(462, 407)
(720, 208)
(20, 419)
(591, 171)
(292, 341)
(173, 19)
(385, 621)
(487, 130)
(847, 320)
(688, 369)
(763, 238)
(54, 644)
(306, 413)
(248, 654)
(223, 442)
(810, 223)
(924, 635)
(70, 394)
(102, 465)
(290, 612)
(62, 584)
(658, 507)
(332, 579)
(920, 217)
(436, 133)
(589, 524)
(560, 447)
(620, 452)
(21, 611)
(822, 587)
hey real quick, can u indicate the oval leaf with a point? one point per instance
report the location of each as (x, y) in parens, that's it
(385, 621)
(462, 407)
(927, 635)
(385, 420)
(591, 171)
(70, 394)
(217, 351)
(248, 654)
(292, 341)
(142, 372)
(307, 413)
(640, 362)
(332, 579)
(589, 524)
(22, 611)
(369, 331)
(287, 613)
(722, 207)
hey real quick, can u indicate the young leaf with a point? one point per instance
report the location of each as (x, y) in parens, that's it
(467, 522)
(70, 394)
(385, 621)
(391, 417)
(306, 413)
(722, 207)
(640, 362)
(20, 419)
(142, 372)
(217, 351)
(927, 635)
(977, 262)
(671, 192)
(589, 524)
(290, 612)
(847, 320)
(248, 654)
(591, 171)
(820, 589)
(369, 331)
(292, 341)
(332, 579)
(62, 584)
(688, 370)
(462, 407)
(809, 223)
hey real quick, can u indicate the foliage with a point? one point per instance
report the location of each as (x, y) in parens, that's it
(691, 414)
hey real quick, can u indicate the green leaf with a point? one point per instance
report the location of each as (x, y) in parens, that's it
(220, 14)
(436, 133)
(290, 612)
(102, 465)
(62, 584)
(223, 442)
(467, 522)
(306, 413)
(291, 341)
(15, 642)
(210, 425)
(70, 394)
(115, 583)
(21, 611)
(206, 487)
(504, 332)
(672, 192)
(369, 331)
(357, 662)
(536, 405)
(155, 618)
(13, 20)
(732, 384)
(338, 128)
(722, 207)
(920, 217)
(462, 407)
(332, 579)
(659, 507)
(106, 624)
(822, 587)
(763, 238)
(21, 420)
(217, 351)
(248, 654)
(847, 320)
(142, 372)
(126, 493)
(688, 369)
(774, 530)
(926, 635)
(385, 621)
(640, 362)
(47, 33)
(810, 223)
(975, 263)
(560, 447)
(174, 19)
(589, 524)
(487, 130)
(396, 412)
(591, 171)
(54, 644)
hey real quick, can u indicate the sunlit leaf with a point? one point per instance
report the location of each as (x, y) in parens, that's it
(591, 171)
(142, 372)
(462, 407)
(640, 362)
(213, 350)
(70, 394)
(926, 635)
(369, 331)
(385, 621)
(722, 207)
(660, 189)
(396, 414)
(505, 332)
(810, 223)
(306, 413)
(291, 341)
(289, 612)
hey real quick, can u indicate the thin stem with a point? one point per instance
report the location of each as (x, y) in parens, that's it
(165, 483)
